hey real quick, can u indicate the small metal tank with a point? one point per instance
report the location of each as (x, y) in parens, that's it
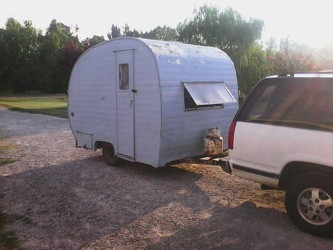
(213, 142)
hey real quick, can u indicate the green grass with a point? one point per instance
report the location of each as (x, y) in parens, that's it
(48, 105)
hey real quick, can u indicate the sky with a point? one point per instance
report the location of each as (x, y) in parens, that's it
(305, 22)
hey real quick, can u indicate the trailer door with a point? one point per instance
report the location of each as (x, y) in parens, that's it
(125, 103)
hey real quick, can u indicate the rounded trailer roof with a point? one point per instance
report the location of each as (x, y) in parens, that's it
(173, 49)
(178, 49)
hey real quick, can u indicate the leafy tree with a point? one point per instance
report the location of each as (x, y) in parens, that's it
(29, 55)
(60, 34)
(30, 60)
(231, 33)
(253, 67)
(203, 29)
(66, 58)
(289, 59)
(226, 30)
(5, 82)
(19, 55)
(47, 63)
(115, 32)
(130, 33)
(161, 33)
(55, 47)
(90, 42)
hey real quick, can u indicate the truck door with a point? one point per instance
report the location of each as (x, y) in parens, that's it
(125, 103)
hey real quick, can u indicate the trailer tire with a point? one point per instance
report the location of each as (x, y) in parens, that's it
(108, 155)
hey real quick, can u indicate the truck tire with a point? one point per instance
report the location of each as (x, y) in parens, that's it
(309, 204)
(108, 155)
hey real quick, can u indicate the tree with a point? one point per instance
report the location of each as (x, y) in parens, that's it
(161, 33)
(130, 33)
(66, 58)
(203, 29)
(19, 55)
(5, 82)
(115, 32)
(290, 59)
(226, 30)
(55, 49)
(90, 42)
(253, 67)
(60, 34)
(30, 60)
(231, 33)
(127, 32)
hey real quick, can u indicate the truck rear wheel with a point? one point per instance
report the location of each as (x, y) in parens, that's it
(108, 155)
(309, 203)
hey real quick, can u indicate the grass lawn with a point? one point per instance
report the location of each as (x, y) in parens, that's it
(49, 105)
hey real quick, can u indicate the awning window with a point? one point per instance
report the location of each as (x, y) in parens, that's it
(206, 94)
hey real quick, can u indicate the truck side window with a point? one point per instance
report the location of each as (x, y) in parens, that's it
(262, 102)
(124, 76)
(292, 102)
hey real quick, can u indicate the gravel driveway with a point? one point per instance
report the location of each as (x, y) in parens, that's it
(59, 197)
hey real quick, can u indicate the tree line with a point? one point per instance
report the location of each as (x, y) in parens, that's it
(31, 60)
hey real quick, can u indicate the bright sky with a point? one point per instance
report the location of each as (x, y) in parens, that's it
(303, 21)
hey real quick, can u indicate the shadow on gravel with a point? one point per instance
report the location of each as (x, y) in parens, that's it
(87, 203)
(244, 227)
(70, 205)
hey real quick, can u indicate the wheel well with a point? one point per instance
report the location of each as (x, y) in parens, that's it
(294, 169)
(99, 144)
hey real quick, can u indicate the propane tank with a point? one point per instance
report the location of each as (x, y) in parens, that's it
(213, 142)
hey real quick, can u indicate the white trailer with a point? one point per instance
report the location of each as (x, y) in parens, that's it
(150, 101)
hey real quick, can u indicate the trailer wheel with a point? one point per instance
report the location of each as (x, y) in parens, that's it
(108, 155)
(309, 203)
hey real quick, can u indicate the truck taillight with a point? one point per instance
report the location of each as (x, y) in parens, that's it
(231, 135)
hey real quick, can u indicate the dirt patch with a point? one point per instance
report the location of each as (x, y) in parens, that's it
(59, 197)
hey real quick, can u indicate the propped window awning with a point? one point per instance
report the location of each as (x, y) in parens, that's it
(206, 94)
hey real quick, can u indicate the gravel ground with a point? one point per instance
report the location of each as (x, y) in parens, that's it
(59, 197)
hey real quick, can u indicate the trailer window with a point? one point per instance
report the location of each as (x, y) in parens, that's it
(206, 95)
(123, 76)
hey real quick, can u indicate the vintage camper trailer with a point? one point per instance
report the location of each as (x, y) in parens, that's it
(150, 101)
